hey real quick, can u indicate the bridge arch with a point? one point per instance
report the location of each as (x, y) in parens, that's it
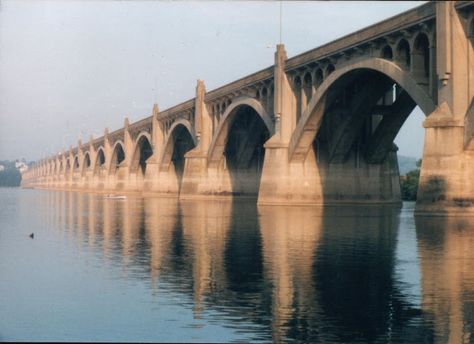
(76, 164)
(403, 53)
(86, 162)
(329, 69)
(309, 124)
(179, 141)
(319, 77)
(307, 87)
(387, 52)
(421, 56)
(99, 160)
(238, 145)
(68, 165)
(118, 156)
(219, 140)
(142, 151)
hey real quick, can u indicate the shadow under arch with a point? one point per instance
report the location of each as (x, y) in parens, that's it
(86, 164)
(76, 165)
(180, 140)
(311, 119)
(99, 163)
(68, 166)
(142, 152)
(217, 147)
(346, 135)
(118, 156)
(238, 143)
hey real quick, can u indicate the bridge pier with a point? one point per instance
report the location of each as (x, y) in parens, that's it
(446, 182)
(317, 182)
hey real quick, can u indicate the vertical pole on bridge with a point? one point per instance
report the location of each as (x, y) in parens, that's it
(285, 117)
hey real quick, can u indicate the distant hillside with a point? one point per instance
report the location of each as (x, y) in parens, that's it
(406, 164)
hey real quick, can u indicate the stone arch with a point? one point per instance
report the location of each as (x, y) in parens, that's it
(307, 87)
(329, 69)
(143, 150)
(99, 160)
(387, 52)
(118, 156)
(403, 56)
(297, 81)
(167, 154)
(298, 92)
(264, 95)
(219, 140)
(421, 56)
(308, 126)
(179, 141)
(76, 164)
(319, 77)
(68, 165)
(86, 162)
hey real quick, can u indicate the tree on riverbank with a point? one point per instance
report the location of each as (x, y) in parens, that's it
(409, 183)
(9, 173)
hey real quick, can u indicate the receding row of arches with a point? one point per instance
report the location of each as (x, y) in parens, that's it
(142, 152)
(415, 58)
(356, 121)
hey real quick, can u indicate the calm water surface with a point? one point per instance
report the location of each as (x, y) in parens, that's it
(161, 270)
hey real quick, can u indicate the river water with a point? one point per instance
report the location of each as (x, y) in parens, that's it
(150, 269)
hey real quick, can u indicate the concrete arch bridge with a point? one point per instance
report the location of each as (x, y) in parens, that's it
(317, 128)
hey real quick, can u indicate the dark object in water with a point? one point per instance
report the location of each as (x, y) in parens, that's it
(32, 235)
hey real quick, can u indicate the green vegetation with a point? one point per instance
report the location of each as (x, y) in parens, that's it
(406, 164)
(409, 183)
(9, 174)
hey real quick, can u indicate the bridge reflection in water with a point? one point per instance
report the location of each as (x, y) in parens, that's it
(363, 274)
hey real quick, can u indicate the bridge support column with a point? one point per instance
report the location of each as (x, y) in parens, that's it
(446, 179)
(446, 184)
(289, 183)
(88, 172)
(284, 182)
(150, 179)
(196, 177)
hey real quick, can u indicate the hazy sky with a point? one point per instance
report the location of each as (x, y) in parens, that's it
(69, 69)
